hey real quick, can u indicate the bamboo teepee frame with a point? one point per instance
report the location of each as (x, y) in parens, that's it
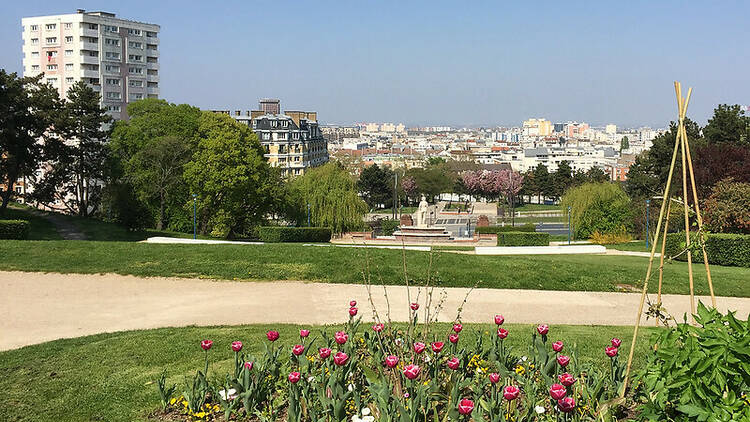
(681, 144)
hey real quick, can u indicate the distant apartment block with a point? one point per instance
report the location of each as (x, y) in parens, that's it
(119, 58)
(537, 127)
(292, 140)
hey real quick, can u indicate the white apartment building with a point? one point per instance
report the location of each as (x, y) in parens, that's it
(117, 57)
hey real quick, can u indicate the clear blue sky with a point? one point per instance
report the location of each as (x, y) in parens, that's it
(439, 62)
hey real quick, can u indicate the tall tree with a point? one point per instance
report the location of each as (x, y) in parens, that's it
(27, 109)
(542, 182)
(562, 179)
(624, 143)
(376, 185)
(728, 125)
(77, 166)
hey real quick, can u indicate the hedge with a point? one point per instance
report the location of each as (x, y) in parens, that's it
(522, 239)
(387, 227)
(504, 229)
(273, 234)
(721, 248)
(14, 229)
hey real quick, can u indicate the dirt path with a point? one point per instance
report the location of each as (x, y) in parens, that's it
(65, 228)
(38, 307)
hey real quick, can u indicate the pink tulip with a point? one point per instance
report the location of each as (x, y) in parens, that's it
(566, 405)
(249, 366)
(411, 371)
(298, 349)
(457, 327)
(352, 311)
(304, 333)
(206, 344)
(494, 377)
(502, 333)
(453, 338)
(324, 352)
(352, 303)
(341, 337)
(557, 391)
(453, 363)
(557, 346)
(294, 377)
(419, 347)
(340, 358)
(563, 360)
(616, 342)
(414, 306)
(272, 335)
(391, 361)
(611, 351)
(499, 319)
(437, 346)
(465, 406)
(406, 395)
(566, 379)
(543, 329)
(236, 346)
(511, 392)
(378, 327)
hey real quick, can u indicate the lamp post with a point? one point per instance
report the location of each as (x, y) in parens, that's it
(195, 197)
(569, 208)
(648, 202)
(308, 214)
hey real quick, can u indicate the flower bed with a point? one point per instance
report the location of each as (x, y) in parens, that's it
(411, 374)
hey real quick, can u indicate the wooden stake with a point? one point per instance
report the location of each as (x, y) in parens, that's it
(687, 219)
(680, 107)
(663, 249)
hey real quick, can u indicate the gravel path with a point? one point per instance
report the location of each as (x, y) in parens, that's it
(38, 307)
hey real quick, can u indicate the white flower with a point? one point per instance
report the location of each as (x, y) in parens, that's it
(539, 409)
(368, 419)
(310, 379)
(427, 358)
(350, 387)
(365, 411)
(355, 418)
(398, 342)
(228, 395)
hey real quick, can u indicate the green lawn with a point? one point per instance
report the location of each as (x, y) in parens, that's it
(344, 265)
(39, 227)
(537, 207)
(111, 377)
(402, 210)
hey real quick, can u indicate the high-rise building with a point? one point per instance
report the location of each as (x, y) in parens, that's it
(119, 58)
(610, 129)
(537, 127)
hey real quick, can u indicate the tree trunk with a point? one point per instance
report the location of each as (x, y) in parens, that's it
(160, 222)
(12, 177)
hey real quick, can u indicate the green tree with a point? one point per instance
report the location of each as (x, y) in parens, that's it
(729, 125)
(77, 166)
(542, 182)
(234, 184)
(332, 197)
(727, 210)
(624, 143)
(562, 179)
(27, 109)
(376, 185)
(596, 175)
(598, 207)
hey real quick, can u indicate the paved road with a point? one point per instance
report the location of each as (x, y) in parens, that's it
(38, 307)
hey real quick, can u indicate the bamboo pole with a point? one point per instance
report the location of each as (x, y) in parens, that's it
(680, 107)
(663, 250)
(700, 225)
(683, 140)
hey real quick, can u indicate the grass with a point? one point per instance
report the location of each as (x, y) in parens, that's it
(344, 265)
(402, 210)
(111, 377)
(39, 227)
(638, 246)
(537, 207)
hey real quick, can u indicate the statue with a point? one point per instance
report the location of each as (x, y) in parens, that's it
(422, 213)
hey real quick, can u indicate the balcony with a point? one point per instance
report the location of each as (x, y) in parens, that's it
(154, 66)
(152, 78)
(86, 32)
(85, 58)
(88, 73)
(85, 45)
(152, 90)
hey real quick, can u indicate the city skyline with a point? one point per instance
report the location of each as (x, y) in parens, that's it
(435, 64)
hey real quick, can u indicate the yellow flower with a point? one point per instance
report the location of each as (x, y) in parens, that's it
(173, 401)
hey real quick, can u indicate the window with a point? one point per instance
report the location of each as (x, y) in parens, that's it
(94, 26)
(68, 25)
(34, 27)
(111, 81)
(111, 41)
(113, 95)
(151, 46)
(51, 67)
(295, 135)
(135, 70)
(52, 54)
(151, 34)
(68, 39)
(68, 80)
(114, 108)
(137, 84)
(34, 54)
(109, 28)
(274, 123)
(50, 26)
(136, 96)
(68, 66)
(93, 53)
(68, 53)
(136, 32)
(135, 44)
(112, 55)
(34, 67)
(34, 41)
(112, 68)
(52, 81)
(51, 40)
(135, 58)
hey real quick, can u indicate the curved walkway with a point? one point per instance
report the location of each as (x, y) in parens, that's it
(38, 307)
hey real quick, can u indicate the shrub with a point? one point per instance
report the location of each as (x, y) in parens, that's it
(273, 234)
(727, 210)
(609, 238)
(698, 373)
(721, 248)
(14, 229)
(504, 229)
(602, 207)
(387, 227)
(522, 239)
